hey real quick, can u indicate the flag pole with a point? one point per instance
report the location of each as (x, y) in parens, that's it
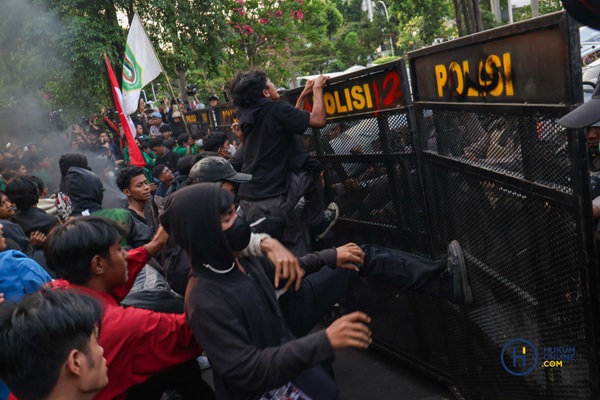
(134, 152)
(173, 94)
(168, 80)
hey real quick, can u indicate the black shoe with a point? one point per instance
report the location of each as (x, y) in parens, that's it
(457, 269)
(331, 214)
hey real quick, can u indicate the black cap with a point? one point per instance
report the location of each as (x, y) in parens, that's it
(586, 114)
(215, 169)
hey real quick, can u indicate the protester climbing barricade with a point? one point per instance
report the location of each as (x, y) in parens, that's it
(474, 154)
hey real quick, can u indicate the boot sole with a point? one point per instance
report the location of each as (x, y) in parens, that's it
(464, 279)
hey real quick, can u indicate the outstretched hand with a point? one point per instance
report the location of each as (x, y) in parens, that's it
(286, 264)
(350, 256)
(350, 331)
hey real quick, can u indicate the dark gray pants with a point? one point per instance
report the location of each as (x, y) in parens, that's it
(298, 220)
(320, 291)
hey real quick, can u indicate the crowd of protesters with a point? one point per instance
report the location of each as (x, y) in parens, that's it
(155, 268)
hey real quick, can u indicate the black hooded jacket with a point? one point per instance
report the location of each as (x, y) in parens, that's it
(197, 232)
(85, 190)
(234, 314)
(67, 161)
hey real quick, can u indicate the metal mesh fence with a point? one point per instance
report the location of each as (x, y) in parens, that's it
(528, 147)
(525, 274)
(498, 174)
(371, 173)
(521, 246)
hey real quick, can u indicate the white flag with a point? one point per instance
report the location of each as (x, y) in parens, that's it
(140, 65)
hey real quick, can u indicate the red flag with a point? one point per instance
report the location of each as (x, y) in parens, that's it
(135, 155)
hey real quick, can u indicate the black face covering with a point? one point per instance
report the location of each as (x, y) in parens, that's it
(238, 235)
(198, 229)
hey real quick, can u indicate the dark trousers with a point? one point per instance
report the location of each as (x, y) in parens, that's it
(320, 291)
(304, 184)
(185, 379)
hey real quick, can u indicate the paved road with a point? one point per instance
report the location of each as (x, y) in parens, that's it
(370, 374)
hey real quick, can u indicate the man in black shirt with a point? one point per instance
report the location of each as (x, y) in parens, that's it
(271, 154)
(164, 155)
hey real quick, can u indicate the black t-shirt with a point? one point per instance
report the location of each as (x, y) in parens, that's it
(269, 130)
(169, 159)
(35, 219)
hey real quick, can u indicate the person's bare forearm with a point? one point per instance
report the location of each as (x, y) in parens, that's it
(308, 88)
(318, 116)
(302, 100)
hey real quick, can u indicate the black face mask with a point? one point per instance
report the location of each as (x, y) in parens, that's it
(238, 235)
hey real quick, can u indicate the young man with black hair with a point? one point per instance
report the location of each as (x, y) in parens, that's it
(186, 146)
(133, 183)
(165, 176)
(165, 132)
(164, 155)
(24, 193)
(219, 143)
(282, 173)
(184, 165)
(86, 252)
(49, 346)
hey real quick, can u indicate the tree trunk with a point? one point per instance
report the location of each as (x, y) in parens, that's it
(464, 9)
(470, 15)
(477, 16)
(182, 83)
(458, 14)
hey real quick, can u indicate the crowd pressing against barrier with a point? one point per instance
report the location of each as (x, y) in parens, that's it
(121, 281)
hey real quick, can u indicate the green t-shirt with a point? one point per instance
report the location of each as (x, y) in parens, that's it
(148, 158)
(182, 150)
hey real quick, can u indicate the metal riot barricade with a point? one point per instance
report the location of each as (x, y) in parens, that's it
(222, 117)
(477, 157)
(198, 121)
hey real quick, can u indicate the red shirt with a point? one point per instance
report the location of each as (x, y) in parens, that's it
(137, 343)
